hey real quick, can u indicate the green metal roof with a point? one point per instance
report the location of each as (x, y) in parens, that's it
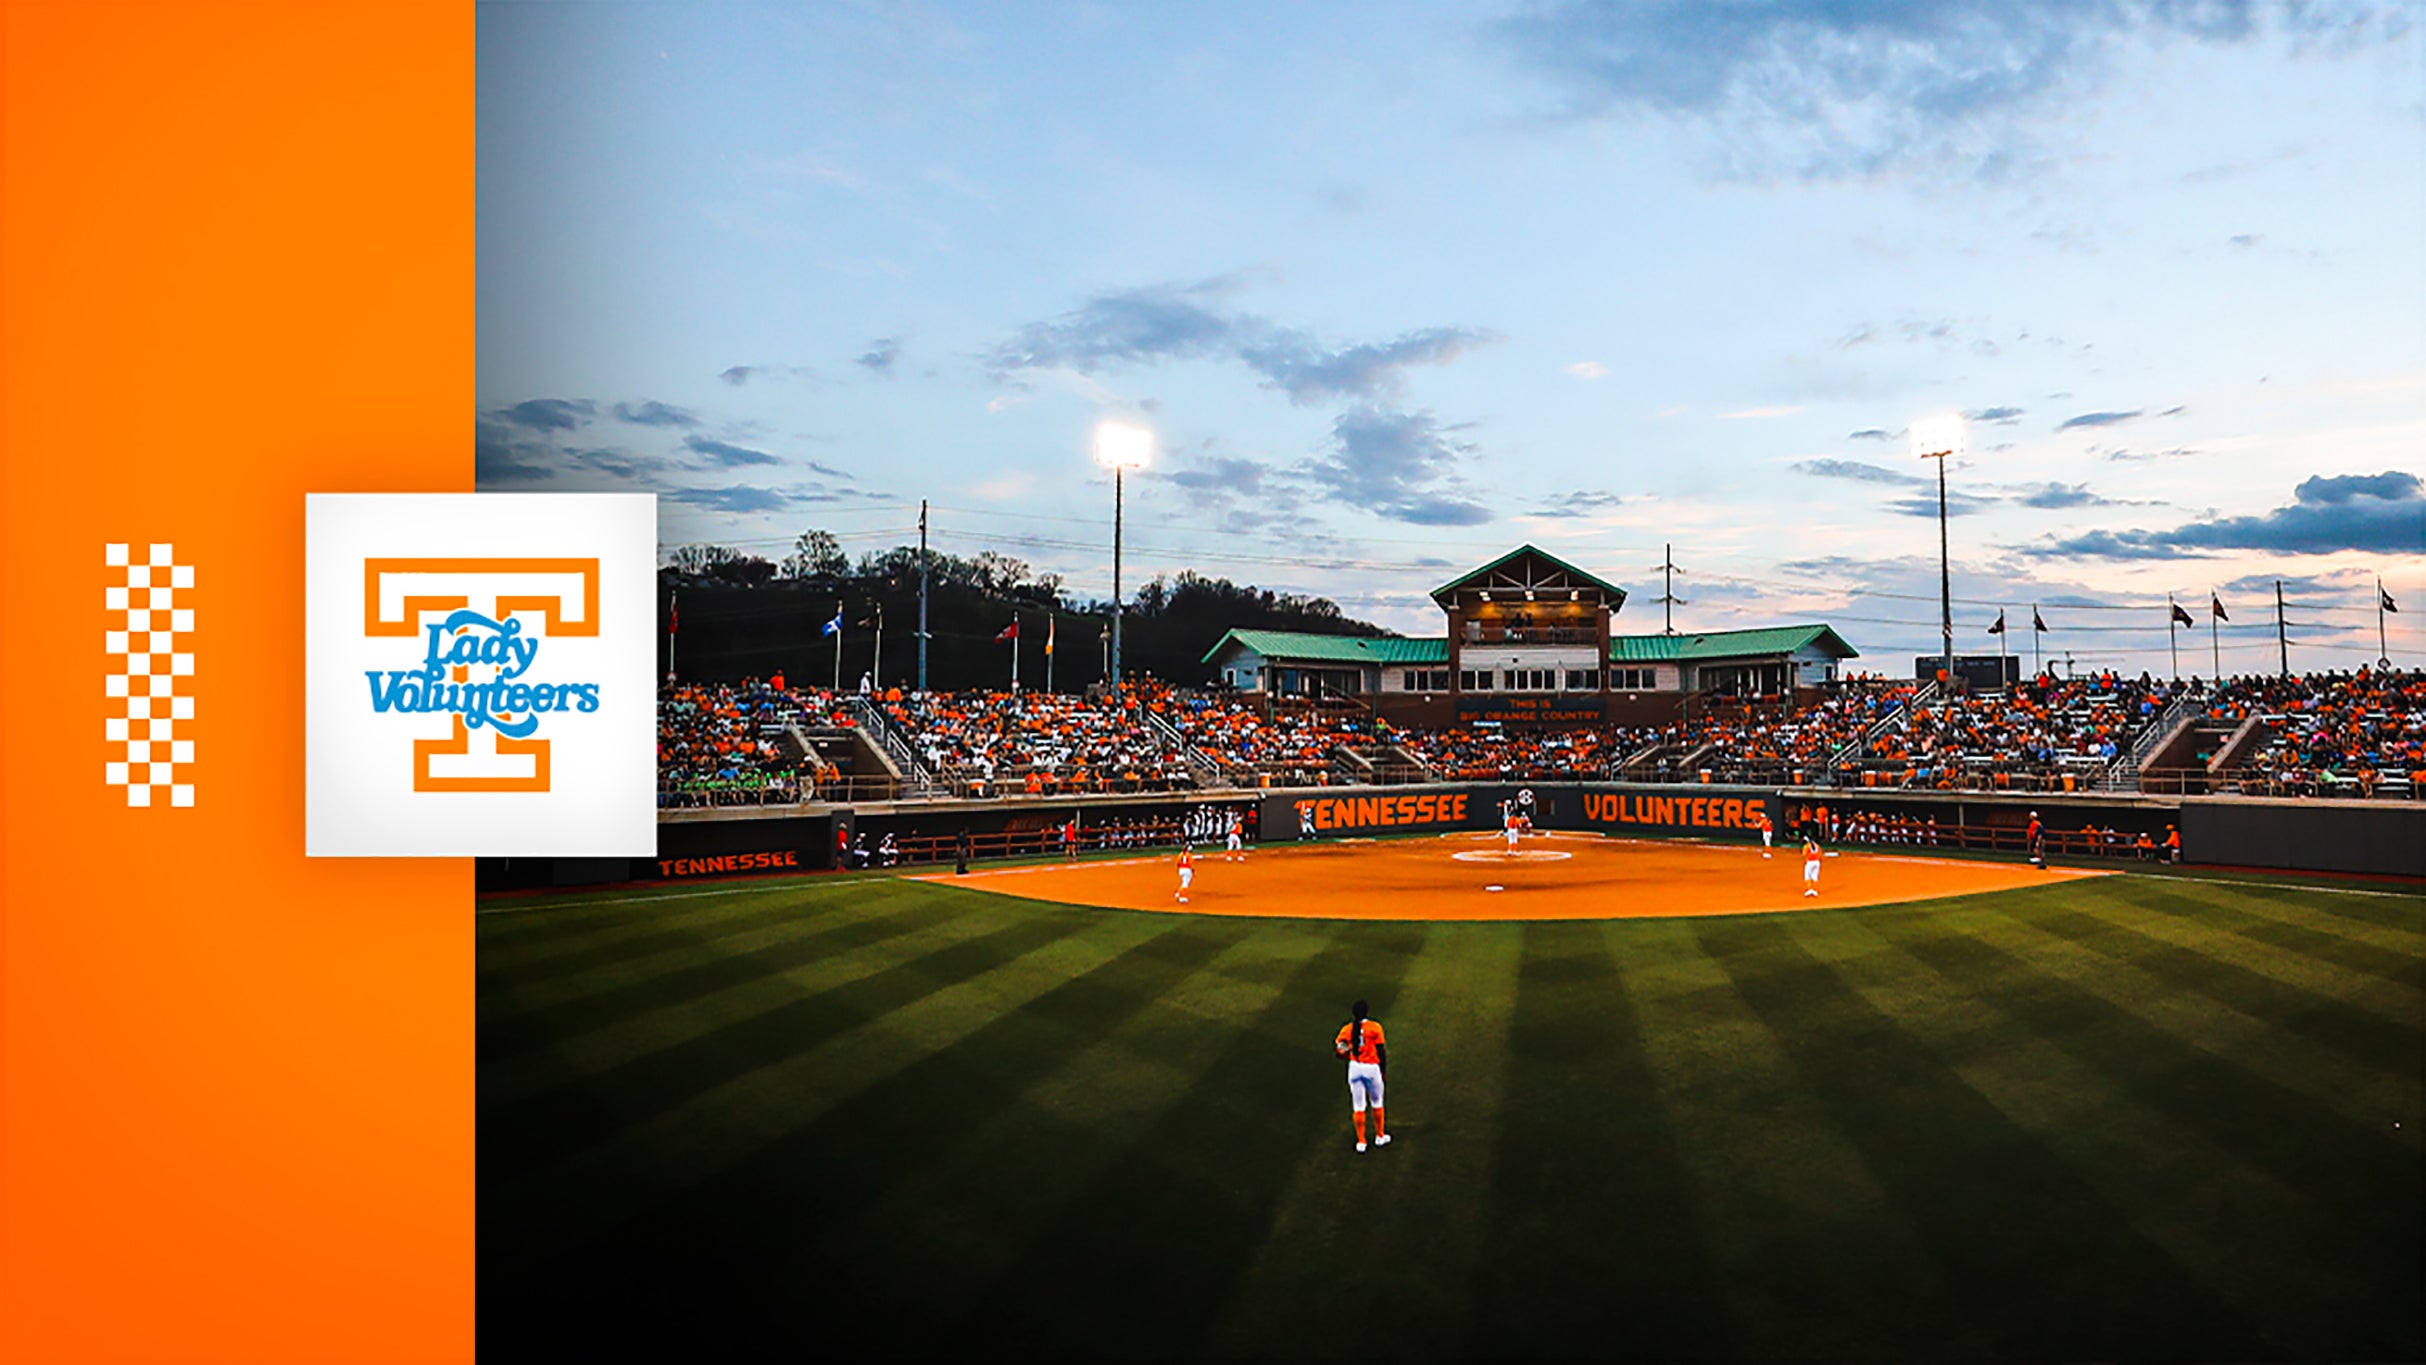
(1448, 590)
(1726, 644)
(1342, 649)
(1289, 645)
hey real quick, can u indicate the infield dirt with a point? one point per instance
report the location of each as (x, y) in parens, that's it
(1468, 876)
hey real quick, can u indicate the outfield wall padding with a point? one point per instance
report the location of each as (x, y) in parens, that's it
(2373, 839)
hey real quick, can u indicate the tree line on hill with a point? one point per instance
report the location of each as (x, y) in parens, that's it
(726, 615)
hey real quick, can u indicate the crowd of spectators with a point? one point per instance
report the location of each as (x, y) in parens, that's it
(731, 744)
(2041, 734)
(2337, 734)
(1494, 753)
(2340, 734)
(1041, 743)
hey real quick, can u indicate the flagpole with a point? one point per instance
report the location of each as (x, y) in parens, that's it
(1014, 651)
(2035, 670)
(673, 626)
(2383, 655)
(877, 672)
(838, 646)
(1048, 651)
(2173, 634)
(2214, 605)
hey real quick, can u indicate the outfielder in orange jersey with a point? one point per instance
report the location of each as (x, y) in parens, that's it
(1768, 833)
(1187, 871)
(1360, 1042)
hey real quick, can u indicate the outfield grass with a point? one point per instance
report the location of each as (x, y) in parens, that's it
(2138, 1117)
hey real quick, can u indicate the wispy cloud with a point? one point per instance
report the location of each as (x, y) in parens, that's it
(726, 454)
(740, 498)
(1755, 414)
(2099, 419)
(1399, 465)
(739, 375)
(2378, 513)
(548, 414)
(1171, 322)
(880, 356)
(2000, 416)
(650, 413)
(1860, 471)
(1583, 502)
(1830, 89)
(1588, 370)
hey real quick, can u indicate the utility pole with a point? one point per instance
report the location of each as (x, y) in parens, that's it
(2282, 641)
(922, 594)
(1668, 599)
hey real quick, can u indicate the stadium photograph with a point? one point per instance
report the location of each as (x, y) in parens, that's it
(1554, 679)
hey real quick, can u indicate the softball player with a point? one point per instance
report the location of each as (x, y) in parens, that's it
(1360, 1042)
(1811, 861)
(1187, 871)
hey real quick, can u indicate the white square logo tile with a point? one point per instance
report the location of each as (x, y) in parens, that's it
(480, 675)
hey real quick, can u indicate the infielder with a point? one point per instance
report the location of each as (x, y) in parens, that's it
(1360, 1043)
(1768, 833)
(1811, 861)
(1238, 838)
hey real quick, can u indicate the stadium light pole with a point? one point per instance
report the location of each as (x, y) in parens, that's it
(1120, 448)
(1941, 439)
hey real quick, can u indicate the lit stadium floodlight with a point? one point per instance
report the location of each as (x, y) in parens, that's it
(1120, 448)
(1940, 438)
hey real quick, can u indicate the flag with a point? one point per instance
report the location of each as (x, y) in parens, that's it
(2179, 615)
(2216, 605)
(673, 615)
(2386, 598)
(834, 627)
(1009, 632)
(1999, 627)
(2036, 622)
(1050, 626)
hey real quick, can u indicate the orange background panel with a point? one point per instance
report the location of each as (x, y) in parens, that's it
(236, 1100)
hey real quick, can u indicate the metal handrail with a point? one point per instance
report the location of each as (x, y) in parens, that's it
(917, 779)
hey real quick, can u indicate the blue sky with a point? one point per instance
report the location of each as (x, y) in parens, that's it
(1397, 288)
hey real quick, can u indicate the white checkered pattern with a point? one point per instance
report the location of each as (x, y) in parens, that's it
(149, 646)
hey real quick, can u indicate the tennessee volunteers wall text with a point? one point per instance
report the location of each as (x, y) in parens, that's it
(1385, 812)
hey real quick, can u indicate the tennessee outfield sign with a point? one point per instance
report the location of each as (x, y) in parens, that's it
(1341, 814)
(479, 675)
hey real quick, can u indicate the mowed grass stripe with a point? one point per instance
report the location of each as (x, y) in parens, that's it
(2199, 1202)
(2365, 1175)
(1816, 1261)
(2360, 1035)
(995, 1180)
(2037, 1261)
(683, 929)
(2386, 1000)
(702, 968)
(589, 1186)
(572, 1049)
(2285, 927)
(537, 1127)
(1347, 1228)
(1204, 1175)
(744, 1229)
(542, 927)
(2367, 1093)
(1595, 1236)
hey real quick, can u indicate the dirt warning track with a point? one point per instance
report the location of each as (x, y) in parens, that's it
(1471, 877)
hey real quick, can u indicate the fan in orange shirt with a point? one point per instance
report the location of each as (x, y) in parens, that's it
(1360, 1042)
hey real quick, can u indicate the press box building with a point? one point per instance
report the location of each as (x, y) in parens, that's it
(1528, 642)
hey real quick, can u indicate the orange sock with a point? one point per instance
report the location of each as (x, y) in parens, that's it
(1379, 1126)
(1360, 1125)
